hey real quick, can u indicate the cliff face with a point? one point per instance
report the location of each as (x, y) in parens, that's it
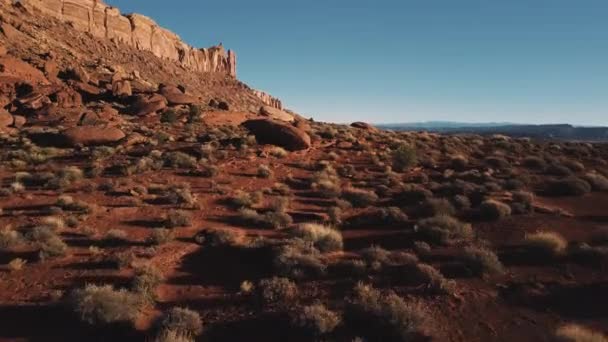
(268, 99)
(136, 30)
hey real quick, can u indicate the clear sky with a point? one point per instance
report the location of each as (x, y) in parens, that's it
(382, 61)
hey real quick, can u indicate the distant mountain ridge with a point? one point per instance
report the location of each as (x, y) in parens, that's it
(548, 131)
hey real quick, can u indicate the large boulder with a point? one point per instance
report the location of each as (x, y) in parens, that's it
(148, 105)
(91, 136)
(278, 133)
(122, 88)
(6, 119)
(363, 125)
(276, 114)
(175, 96)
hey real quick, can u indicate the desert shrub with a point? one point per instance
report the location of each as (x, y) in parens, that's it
(359, 197)
(335, 215)
(535, 163)
(180, 194)
(571, 186)
(461, 202)
(264, 171)
(277, 290)
(116, 235)
(436, 206)
(123, 259)
(497, 162)
(100, 305)
(169, 116)
(147, 278)
(65, 177)
(204, 169)
(326, 182)
(16, 264)
(219, 237)
(281, 189)
(179, 160)
(578, 333)
(296, 259)
(597, 181)
(269, 219)
(387, 314)
(459, 162)
(181, 324)
(557, 169)
(161, 236)
(10, 238)
(378, 216)
(53, 222)
(52, 248)
(523, 202)
(573, 165)
(278, 152)
(242, 199)
(548, 244)
(404, 157)
(375, 254)
(434, 281)
(494, 210)
(315, 320)
(324, 238)
(422, 248)
(444, 229)
(482, 261)
(178, 218)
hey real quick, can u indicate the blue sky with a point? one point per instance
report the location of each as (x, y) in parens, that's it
(525, 61)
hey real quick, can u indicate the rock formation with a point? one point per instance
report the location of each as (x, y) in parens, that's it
(268, 99)
(136, 30)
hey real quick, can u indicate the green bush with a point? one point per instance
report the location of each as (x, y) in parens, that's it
(404, 157)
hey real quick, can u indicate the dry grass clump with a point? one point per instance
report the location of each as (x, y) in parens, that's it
(548, 244)
(404, 157)
(160, 236)
(578, 333)
(324, 238)
(278, 152)
(178, 218)
(65, 177)
(315, 320)
(523, 202)
(147, 278)
(277, 290)
(116, 236)
(444, 229)
(359, 197)
(16, 264)
(459, 162)
(178, 324)
(101, 305)
(242, 199)
(571, 186)
(482, 261)
(434, 281)
(386, 314)
(494, 210)
(49, 243)
(326, 182)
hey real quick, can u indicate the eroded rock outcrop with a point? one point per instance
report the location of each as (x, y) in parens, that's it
(136, 30)
(268, 99)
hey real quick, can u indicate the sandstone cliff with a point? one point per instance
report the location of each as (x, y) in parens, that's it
(136, 30)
